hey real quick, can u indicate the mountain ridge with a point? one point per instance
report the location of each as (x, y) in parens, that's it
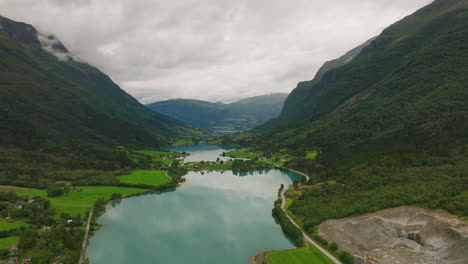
(53, 103)
(236, 116)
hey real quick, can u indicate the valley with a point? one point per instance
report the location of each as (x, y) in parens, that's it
(366, 163)
(210, 214)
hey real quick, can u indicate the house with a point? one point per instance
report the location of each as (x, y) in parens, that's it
(58, 255)
(21, 201)
(46, 228)
(8, 219)
(27, 261)
(13, 260)
(78, 190)
(13, 249)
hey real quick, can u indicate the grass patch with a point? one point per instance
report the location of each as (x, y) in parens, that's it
(288, 203)
(311, 155)
(11, 225)
(295, 256)
(79, 202)
(242, 154)
(292, 194)
(7, 242)
(184, 142)
(321, 255)
(149, 177)
(7, 188)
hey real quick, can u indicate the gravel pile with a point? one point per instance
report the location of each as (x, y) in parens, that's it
(401, 235)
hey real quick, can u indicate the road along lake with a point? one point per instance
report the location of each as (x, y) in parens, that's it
(214, 217)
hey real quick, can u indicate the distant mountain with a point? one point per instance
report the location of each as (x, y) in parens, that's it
(224, 118)
(49, 99)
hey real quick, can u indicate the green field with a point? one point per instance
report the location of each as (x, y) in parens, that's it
(288, 203)
(295, 256)
(184, 142)
(311, 155)
(11, 225)
(77, 202)
(242, 154)
(149, 177)
(7, 242)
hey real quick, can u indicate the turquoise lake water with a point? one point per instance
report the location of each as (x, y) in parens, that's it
(214, 217)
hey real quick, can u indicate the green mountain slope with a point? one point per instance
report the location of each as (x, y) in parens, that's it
(302, 91)
(48, 98)
(237, 116)
(58, 113)
(390, 126)
(408, 86)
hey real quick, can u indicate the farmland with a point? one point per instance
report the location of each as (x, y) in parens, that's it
(7, 242)
(79, 202)
(242, 154)
(11, 225)
(149, 177)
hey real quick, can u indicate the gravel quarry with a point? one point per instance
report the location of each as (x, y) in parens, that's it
(405, 235)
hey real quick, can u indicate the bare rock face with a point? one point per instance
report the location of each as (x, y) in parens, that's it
(401, 235)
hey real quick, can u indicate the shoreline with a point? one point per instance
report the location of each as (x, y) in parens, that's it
(98, 214)
(89, 235)
(306, 236)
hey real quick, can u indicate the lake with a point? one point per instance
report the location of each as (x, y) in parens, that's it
(214, 217)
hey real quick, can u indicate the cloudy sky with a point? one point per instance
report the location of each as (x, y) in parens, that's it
(216, 50)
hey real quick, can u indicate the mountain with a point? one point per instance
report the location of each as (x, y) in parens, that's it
(237, 116)
(49, 97)
(406, 90)
(302, 90)
(389, 128)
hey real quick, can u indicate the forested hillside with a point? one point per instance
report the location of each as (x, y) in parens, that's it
(390, 126)
(233, 117)
(59, 112)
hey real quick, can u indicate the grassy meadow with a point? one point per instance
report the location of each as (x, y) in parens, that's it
(11, 225)
(76, 202)
(242, 154)
(7, 242)
(149, 177)
(311, 155)
(295, 256)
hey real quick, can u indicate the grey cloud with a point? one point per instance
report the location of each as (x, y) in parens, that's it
(217, 50)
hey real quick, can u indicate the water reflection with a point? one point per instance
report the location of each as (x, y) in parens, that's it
(215, 217)
(203, 152)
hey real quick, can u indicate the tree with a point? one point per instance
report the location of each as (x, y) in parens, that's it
(346, 257)
(116, 196)
(54, 191)
(28, 238)
(333, 246)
